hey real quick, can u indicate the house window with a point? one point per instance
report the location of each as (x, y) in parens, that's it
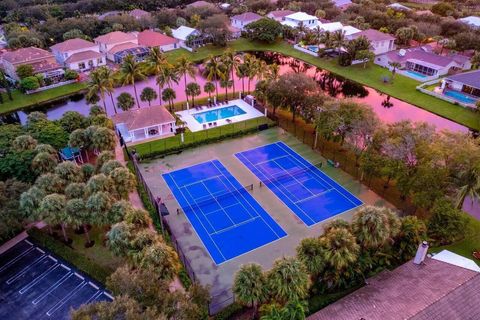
(90, 63)
(99, 61)
(81, 65)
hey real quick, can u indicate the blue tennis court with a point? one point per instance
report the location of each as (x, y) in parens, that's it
(228, 220)
(308, 192)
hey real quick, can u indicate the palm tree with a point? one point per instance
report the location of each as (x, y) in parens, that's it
(193, 90)
(76, 209)
(124, 182)
(125, 101)
(226, 83)
(4, 84)
(242, 73)
(166, 77)
(470, 181)
(209, 88)
(371, 227)
(395, 66)
(44, 162)
(231, 62)
(169, 95)
(185, 68)
(251, 65)
(273, 72)
(104, 139)
(119, 238)
(250, 286)
(130, 72)
(160, 258)
(312, 254)
(148, 94)
(288, 280)
(53, 209)
(213, 70)
(338, 39)
(157, 63)
(341, 248)
(96, 86)
(108, 83)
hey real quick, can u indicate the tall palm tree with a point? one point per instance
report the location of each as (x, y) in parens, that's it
(371, 227)
(231, 62)
(108, 79)
(251, 65)
(338, 39)
(209, 88)
(273, 71)
(167, 76)
(395, 65)
(157, 62)
(79, 217)
(470, 180)
(213, 70)
(312, 254)
(250, 286)
(169, 95)
(341, 248)
(288, 280)
(131, 72)
(193, 89)
(96, 86)
(226, 83)
(53, 209)
(242, 73)
(185, 68)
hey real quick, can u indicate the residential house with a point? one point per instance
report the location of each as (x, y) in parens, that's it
(137, 125)
(399, 7)
(422, 64)
(467, 83)
(183, 34)
(336, 26)
(446, 286)
(342, 4)
(298, 19)
(42, 61)
(279, 15)
(78, 54)
(139, 14)
(241, 20)
(200, 4)
(381, 42)
(118, 44)
(472, 21)
(151, 39)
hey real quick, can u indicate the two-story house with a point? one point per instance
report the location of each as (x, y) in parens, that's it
(78, 54)
(42, 61)
(380, 42)
(241, 20)
(114, 42)
(298, 19)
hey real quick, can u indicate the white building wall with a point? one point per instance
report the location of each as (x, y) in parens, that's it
(95, 63)
(61, 56)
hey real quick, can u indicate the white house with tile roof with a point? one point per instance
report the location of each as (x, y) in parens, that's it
(297, 19)
(241, 20)
(78, 54)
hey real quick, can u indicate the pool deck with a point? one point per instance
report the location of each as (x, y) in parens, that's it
(220, 277)
(194, 126)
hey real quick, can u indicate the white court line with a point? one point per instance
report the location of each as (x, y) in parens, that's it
(251, 206)
(235, 226)
(201, 223)
(313, 196)
(37, 279)
(16, 258)
(337, 186)
(60, 303)
(54, 286)
(201, 181)
(24, 270)
(279, 189)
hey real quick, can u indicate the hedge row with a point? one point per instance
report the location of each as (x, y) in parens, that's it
(82, 263)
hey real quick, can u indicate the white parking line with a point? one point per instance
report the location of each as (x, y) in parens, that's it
(52, 287)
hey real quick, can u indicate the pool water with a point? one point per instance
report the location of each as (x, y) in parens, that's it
(459, 96)
(218, 114)
(313, 48)
(416, 74)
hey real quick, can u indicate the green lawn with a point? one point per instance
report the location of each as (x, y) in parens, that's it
(403, 88)
(21, 100)
(158, 147)
(470, 243)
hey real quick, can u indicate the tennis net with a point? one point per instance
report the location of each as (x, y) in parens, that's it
(198, 204)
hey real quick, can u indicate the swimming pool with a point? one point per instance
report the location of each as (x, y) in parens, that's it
(218, 114)
(313, 48)
(416, 75)
(459, 96)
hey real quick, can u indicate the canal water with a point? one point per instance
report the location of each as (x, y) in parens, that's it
(387, 108)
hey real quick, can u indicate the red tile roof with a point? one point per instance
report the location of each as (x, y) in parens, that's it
(150, 38)
(123, 46)
(401, 293)
(115, 37)
(280, 13)
(25, 55)
(82, 56)
(373, 35)
(72, 44)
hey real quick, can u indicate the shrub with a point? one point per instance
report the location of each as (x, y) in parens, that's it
(447, 224)
(70, 74)
(29, 83)
(24, 71)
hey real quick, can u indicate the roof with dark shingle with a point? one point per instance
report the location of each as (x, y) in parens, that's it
(406, 292)
(471, 78)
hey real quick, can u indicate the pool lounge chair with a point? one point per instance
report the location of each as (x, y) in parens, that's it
(215, 124)
(204, 126)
